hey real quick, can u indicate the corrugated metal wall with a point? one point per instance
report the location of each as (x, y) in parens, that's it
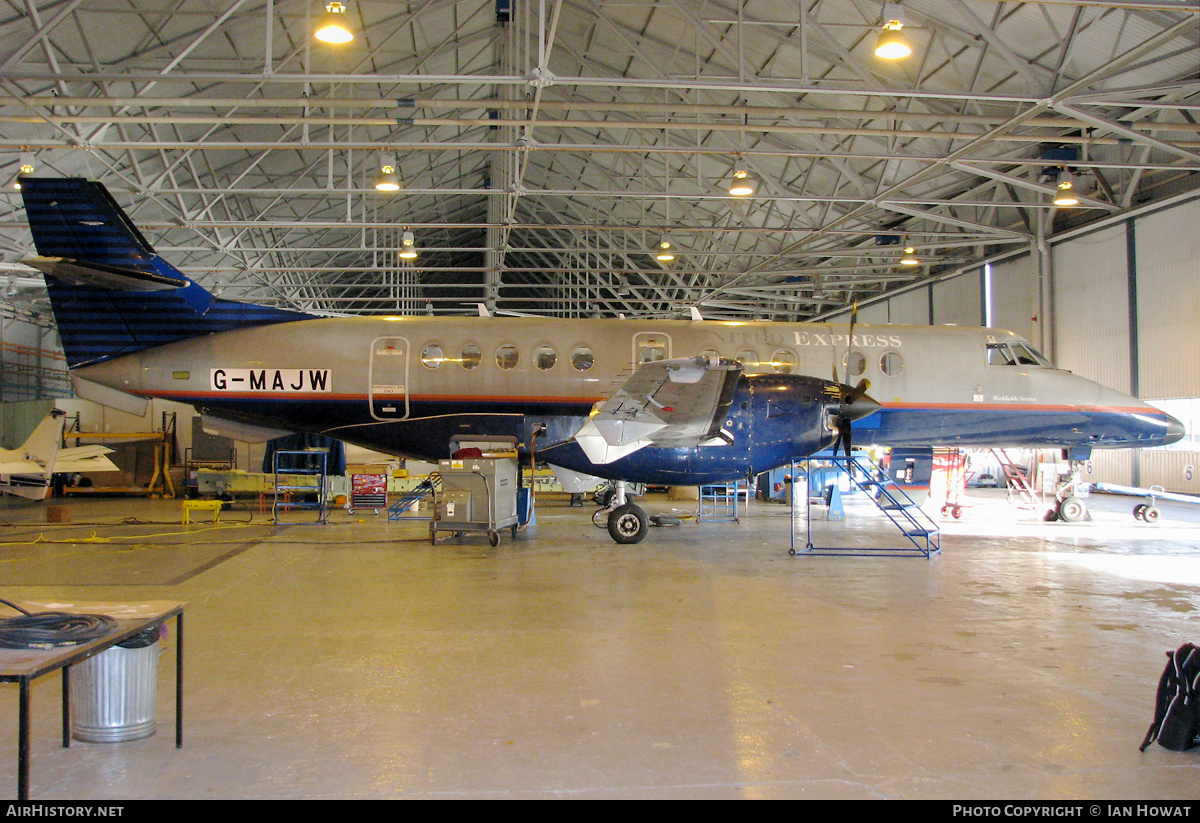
(1014, 295)
(959, 300)
(1091, 328)
(911, 307)
(1091, 307)
(875, 313)
(1167, 247)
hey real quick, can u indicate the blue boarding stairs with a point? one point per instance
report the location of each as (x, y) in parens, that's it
(922, 536)
(409, 503)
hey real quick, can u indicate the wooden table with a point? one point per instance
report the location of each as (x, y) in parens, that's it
(23, 666)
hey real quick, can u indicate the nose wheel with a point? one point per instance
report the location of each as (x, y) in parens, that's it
(627, 524)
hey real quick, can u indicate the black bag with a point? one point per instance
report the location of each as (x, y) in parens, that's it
(1176, 723)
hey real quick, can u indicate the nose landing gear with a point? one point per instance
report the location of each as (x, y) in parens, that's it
(627, 522)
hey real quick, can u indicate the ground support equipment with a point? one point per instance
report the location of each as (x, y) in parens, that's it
(407, 506)
(287, 482)
(478, 494)
(719, 502)
(921, 533)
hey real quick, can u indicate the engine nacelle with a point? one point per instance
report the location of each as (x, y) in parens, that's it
(772, 419)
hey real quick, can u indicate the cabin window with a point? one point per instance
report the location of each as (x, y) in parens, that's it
(891, 363)
(432, 356)
(470, 357)
(710, 354)
(783, 361)
(507, 357)
(748, 358)
(855, 363)
(544, 357)
(582, 358)
(652, 353)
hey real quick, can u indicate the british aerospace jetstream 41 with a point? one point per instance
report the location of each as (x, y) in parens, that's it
(683, 402)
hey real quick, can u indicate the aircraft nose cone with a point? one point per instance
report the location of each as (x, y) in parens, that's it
(1175, 431)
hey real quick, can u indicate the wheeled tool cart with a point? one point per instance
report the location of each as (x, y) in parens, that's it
(479, 494)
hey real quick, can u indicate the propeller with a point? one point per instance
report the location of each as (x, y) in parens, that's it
(853, 404)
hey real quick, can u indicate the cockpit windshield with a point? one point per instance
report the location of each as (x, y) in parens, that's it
(1015, 353)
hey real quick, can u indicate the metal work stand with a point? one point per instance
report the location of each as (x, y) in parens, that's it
(920, 531)
(283, 489)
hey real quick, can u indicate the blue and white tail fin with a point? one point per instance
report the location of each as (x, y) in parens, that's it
(111, 293)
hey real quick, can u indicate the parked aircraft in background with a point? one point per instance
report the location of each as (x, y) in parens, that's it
(27, 471)
(684, 402)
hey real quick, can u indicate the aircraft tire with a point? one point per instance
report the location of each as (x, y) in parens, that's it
(1139, 510)
(627, 524)
(1150, 514)
(1071, 510)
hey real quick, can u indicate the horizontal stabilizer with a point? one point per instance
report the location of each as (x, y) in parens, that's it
(246, 432)
(98, 276)
(84, 460)
(110, 397)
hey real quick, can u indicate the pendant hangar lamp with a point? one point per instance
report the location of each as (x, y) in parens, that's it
(892, 44)
(24, 167)
(743, 184)
(408, 246)
(334, 25)
(1065, 195)
(664, 253)
(909, 258)
(388, 181)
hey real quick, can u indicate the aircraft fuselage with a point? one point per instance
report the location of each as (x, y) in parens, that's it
(408, 385)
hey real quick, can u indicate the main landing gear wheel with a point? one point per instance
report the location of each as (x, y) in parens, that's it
(627, 524)
(1071, 510)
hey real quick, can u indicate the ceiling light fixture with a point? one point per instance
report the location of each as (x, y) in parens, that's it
(387, 182)
(408, 246)
(892, 44)
(1065, 195)
(909, 258)
(24, 167)
(743, 184)
(664, 253)
(333, 26)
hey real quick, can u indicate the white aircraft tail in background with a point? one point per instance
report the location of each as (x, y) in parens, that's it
(26, 471)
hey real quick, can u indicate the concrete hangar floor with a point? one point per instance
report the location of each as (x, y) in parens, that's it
(357, 660)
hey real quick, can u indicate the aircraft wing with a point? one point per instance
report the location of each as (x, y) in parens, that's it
(665, 403)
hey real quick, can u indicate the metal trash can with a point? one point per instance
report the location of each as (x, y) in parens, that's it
(114, 693)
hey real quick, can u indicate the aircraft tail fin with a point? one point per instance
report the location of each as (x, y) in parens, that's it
(26, 470)
(111, 293)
